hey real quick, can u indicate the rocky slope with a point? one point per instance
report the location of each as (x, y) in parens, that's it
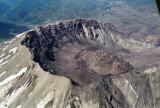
(78, 64)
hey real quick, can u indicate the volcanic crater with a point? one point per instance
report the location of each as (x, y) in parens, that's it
(78, 49)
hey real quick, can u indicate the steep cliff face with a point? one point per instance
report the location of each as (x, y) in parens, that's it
(76, 64)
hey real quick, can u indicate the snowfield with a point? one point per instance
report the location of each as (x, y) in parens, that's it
(12, 77)
(11, 97)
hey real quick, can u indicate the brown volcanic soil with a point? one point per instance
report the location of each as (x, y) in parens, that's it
(85, 63)
(147, 58)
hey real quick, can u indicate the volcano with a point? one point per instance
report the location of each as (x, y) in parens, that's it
(78, 63)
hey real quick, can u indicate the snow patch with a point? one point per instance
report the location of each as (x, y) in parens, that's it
(133, 91)
(85, 30)
(126, 81)
(4, 63)
(47, 99)
(8, 42)
(13, 50)
(151, 70)
(19, 35)
(30, 94)
(1, 60)
(4, 90)
(12, 77)
(4, 48)
(10, 98)
(7, 57)
(2, 55)
(5, 42)
(19, 106)
(3, 73)
(77, 98)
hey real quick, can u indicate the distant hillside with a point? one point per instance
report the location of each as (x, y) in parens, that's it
(8, 30)
(138, 18)
(44, 11)
(4, 8)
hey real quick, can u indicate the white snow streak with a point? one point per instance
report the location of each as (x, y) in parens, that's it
(7, 57)
(13, 50)
(4, 48)
(3, 73)
(5, 42)
(4, 90)
(151, 70)
(77, 98)
(85, 30)
(2, 55)
(19, 106)
(133, 91)
(18, 36)
(12, 77)
(8, 42)
(4, 63)
(30, 94)
(126, 81)
(48, 98)
(10, 98)
(1, 60)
